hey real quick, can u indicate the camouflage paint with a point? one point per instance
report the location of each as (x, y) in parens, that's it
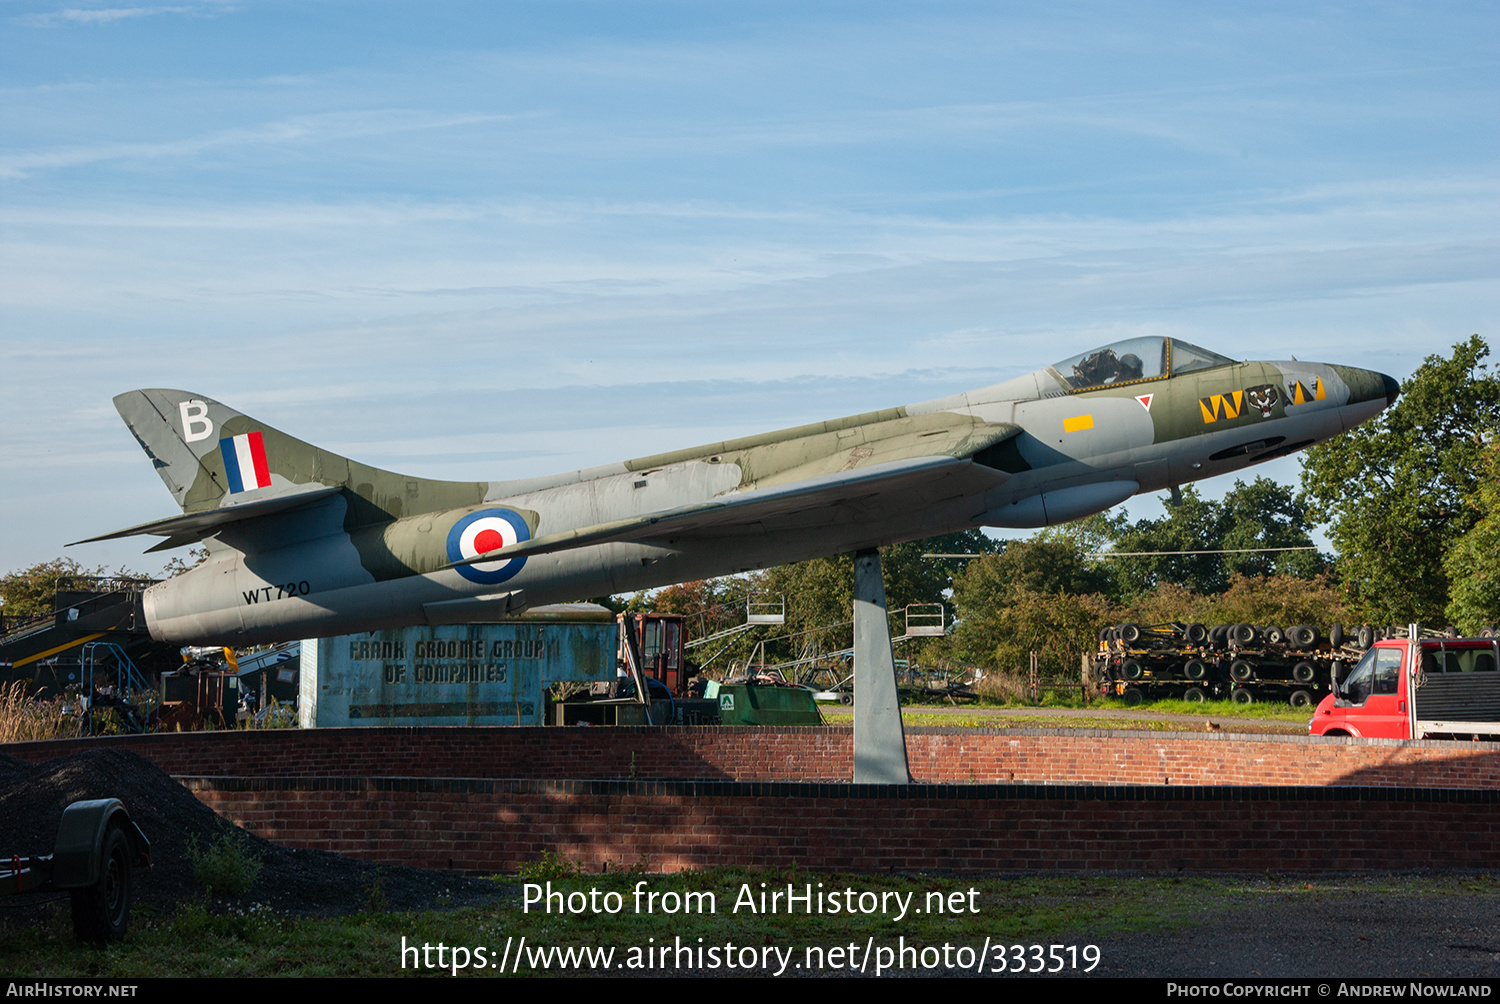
(372, 551)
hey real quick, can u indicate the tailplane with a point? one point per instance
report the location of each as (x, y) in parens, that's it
(222, 466)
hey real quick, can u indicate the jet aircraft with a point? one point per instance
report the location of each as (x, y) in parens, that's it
(305, 543)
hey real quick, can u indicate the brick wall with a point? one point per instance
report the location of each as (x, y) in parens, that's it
(490, 799)
(937, 755)
(489, 826)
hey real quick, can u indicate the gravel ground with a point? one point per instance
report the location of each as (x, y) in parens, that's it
(1352, 935)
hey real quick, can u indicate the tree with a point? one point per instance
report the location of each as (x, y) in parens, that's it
(1261, 514)
(32, 592)
(1041, 594)
(1191, 524)
(1283, 600)
(912, 578)
(709, 604)
(1398, 490)
(1266, 514)
(1471, 565)
(820, 593)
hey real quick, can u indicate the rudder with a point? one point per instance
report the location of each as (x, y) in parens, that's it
(208, 454)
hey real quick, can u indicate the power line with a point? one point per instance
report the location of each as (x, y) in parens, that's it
(1229, 550)
(1140, 554)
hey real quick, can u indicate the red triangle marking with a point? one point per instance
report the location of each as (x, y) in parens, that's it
(1145, 400)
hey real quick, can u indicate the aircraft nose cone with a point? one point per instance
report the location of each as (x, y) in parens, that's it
(1367, 385)
(1392, 389)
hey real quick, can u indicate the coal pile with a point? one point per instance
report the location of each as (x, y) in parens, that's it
(33, 796)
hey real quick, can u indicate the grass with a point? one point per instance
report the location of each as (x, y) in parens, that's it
(23, 718)
(1266, 710)
(201, 940)
(1064, 699)
(980, 714)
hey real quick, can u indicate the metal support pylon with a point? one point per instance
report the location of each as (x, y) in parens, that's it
(879, 739)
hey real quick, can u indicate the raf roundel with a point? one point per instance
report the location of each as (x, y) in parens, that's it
(484, 531)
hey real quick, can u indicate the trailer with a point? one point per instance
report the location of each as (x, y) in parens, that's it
(1243, 663)
(97, 848)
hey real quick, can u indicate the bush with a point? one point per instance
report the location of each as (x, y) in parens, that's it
(551, 866)
(227, 867)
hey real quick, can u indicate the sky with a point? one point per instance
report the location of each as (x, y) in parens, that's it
(489, 240)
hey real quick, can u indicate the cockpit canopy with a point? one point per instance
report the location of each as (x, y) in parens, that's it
(1134, 360)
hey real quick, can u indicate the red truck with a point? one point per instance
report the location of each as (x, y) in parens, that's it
(1417, 688)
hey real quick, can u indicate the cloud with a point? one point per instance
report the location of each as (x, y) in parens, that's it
(305, 128)
(107, 15)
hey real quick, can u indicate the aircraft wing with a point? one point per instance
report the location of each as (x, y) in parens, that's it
(866, 493)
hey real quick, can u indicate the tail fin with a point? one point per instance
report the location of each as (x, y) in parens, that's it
(210, 455)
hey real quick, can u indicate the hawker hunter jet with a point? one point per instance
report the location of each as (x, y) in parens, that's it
(305, 543)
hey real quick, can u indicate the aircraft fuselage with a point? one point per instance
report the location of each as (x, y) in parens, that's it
(369, 549)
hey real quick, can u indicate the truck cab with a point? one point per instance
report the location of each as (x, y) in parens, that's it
(1414, 689)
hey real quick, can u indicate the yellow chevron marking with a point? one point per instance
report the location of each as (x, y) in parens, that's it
(53, 651)
(1078, 423)
(1318, 395)
(1299, 393)
(1217, 406)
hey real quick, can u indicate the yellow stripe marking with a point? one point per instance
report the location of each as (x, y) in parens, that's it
(53, 651)
(1078, 423)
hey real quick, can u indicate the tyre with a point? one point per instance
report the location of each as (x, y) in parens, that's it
(846, 698)
(1129, 633)
(1133, 670)
(1242, 634)
(1275, 636)
(1133, 696)
(1195, 669)
(1300, 699)
(101, 912)
(1336, 636)
(1304, 672)
(1241, 670)
(1303, 636)
(1242, 696)
(1106, 634)
(1366, 636)
(1196, 633)
(1194, 695)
